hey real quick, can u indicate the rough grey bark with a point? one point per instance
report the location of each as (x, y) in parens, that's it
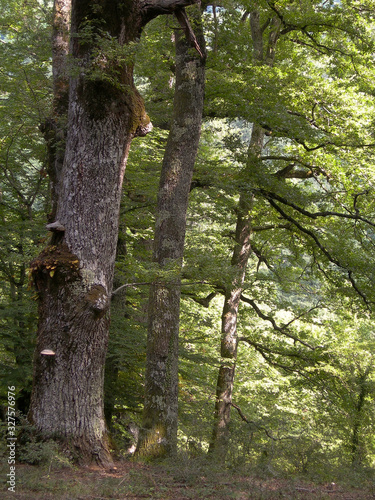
(74, 273)
(240, 257)
(159, 433)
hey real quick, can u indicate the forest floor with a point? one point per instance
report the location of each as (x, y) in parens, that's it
(183, 480)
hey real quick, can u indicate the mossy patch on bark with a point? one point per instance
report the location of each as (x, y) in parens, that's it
(98, 300)
(55, 263)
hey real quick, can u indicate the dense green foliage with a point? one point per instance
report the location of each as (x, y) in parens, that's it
(25, 100)
(305, 383)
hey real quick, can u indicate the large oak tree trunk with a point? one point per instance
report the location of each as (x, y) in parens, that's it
(74, 279)
(74, 274)
(159, 433)
(240, 257)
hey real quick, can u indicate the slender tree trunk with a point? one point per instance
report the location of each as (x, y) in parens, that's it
(229, 341)
(240, 257)
(74, 274)
(159, 434)
(112, 364)
(357, 452)
(54, 128)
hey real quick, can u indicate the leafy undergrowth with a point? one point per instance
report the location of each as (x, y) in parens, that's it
(181, 480)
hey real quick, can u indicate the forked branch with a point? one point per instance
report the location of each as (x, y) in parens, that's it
(153, 8)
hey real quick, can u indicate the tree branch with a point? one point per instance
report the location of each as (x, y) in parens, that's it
(259, 427)
(205, 301)
(183, 19)
(289, 173)
(257, 229)
(153, 8)
(267, 357)
(275, 326)
(314, 215)
(148, 283)
(320, 246)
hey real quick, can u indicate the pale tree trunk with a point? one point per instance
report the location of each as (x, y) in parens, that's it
(240, 257)
(74, 274)
(358, 451)
(159, 429)
(229, 340)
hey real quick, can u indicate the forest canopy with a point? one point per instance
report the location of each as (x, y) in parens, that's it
(275, 288)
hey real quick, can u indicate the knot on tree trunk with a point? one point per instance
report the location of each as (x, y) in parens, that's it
(143, 129)
(98, 300)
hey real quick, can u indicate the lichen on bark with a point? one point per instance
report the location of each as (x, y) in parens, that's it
(74, 277)
(158, 436)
